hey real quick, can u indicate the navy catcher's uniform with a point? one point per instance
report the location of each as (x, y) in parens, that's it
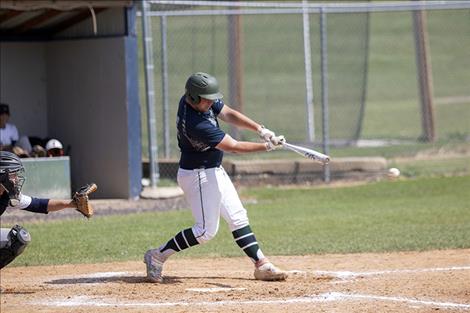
(13, 241)
(207, 187)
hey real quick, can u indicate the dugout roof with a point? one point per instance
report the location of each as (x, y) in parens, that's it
(46, 18)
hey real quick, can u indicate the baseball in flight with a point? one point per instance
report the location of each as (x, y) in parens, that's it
(393, 172)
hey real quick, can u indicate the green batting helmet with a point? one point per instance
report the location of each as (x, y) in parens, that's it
(202, 85)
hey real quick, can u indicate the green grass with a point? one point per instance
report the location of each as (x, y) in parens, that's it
(419, 214)
(433, 167)
(405, 150)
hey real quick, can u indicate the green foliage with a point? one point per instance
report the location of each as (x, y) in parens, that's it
(421, 214)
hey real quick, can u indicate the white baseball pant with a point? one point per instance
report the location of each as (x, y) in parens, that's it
(211, 194)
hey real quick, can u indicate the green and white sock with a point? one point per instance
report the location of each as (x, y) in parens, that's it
(246, 240)
(183, 240)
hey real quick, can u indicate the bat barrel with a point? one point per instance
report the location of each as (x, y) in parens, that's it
(308, 153)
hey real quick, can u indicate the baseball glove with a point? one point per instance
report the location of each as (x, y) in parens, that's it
(80, 199)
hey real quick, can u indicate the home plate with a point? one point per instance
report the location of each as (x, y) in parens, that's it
(215, 289)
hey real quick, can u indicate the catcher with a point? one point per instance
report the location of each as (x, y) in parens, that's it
(13, 241)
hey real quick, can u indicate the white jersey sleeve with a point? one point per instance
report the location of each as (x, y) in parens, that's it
(24, 202)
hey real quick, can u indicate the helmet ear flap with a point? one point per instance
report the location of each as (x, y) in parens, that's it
(194, 99)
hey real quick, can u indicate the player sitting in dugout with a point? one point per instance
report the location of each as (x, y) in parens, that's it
(8, 131)
(13, 241)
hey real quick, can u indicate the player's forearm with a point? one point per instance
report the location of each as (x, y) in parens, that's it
(245, 147)
(57, 205)
(240, 120)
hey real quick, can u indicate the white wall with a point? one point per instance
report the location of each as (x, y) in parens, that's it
(23, 81)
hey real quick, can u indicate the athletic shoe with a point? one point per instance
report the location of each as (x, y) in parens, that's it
(268, 272)
(154, 261)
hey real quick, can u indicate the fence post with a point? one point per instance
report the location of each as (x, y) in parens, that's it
(364, 80)
(164, 58)
(424, 72)
(324, 93)
(150, 96)
(308, 74)
(235, 67)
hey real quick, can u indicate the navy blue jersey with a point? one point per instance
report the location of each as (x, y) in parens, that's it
(27, 203)
(198, 134)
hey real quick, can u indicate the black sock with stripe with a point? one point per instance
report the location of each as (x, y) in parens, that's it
(246, 240)
(183, 240)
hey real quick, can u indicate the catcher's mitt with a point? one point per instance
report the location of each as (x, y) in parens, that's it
(80, 199)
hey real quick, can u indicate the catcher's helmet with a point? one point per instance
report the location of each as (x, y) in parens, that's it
(202, 85)
(11, 173)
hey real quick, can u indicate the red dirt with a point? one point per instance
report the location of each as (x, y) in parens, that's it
(384, 282)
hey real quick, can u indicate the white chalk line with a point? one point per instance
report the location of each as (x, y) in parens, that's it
(216, 289)
(350, 274)
(322, 298)
(105, 275)
(445, 305)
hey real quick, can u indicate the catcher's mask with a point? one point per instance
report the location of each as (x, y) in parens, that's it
(11, 174)
(202, 85)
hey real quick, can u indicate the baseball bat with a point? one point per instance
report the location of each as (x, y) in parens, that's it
(93, 187)
(308, 153)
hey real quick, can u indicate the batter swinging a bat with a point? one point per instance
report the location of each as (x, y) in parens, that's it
(207, 187)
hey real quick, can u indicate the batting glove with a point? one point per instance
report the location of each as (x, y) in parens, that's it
(265, 133)
(277, 140)
(274, 143)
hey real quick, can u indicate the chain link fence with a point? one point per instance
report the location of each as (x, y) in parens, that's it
(258, 56)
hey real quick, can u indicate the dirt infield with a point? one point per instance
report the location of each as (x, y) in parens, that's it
(389, 282)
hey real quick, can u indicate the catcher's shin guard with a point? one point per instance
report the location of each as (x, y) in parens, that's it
(17, 240)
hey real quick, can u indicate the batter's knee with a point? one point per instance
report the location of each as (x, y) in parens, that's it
(239, 223)
(17, 240)
(204, 235)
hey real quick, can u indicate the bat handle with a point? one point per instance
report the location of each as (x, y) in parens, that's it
(93, 187)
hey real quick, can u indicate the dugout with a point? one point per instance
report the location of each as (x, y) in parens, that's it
(69, 70)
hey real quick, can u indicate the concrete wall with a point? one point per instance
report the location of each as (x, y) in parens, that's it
(47, 177)
(88, 109)
(23, 80)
